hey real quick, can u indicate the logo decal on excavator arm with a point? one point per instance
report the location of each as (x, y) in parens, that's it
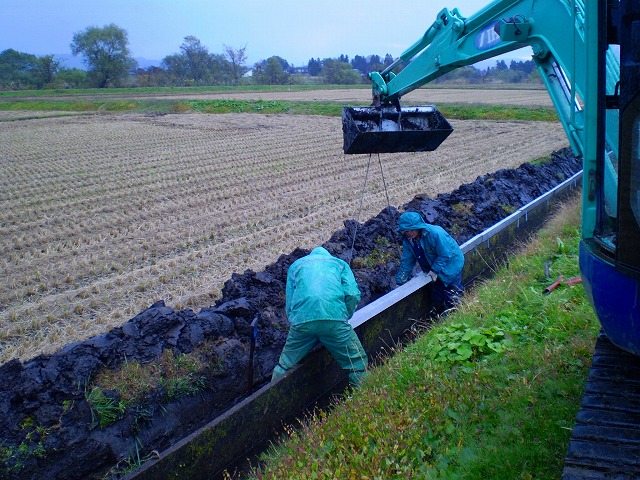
(487, 37)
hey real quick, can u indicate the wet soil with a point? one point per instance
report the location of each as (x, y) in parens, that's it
(50, 430)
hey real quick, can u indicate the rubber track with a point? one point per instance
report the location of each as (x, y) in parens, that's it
(605, 442)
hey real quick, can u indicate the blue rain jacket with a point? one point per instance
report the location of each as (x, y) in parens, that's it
(441, 250)
(320, 287)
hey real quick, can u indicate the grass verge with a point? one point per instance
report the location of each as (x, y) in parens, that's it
(489, 392)
(248, 88)
(191, 90)
(450, 111)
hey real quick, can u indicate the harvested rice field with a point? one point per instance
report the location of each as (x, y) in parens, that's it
(102, 215)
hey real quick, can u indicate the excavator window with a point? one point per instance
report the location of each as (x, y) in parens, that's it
(628, 253)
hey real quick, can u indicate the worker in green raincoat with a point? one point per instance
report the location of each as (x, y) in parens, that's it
(321, 296)
(438, 255)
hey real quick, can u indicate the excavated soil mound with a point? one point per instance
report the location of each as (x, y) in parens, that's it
(49, 428)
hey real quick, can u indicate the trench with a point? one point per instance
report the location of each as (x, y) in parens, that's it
(201, 434)
(233, 442)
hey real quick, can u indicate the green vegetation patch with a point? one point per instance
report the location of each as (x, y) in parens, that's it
(239, 106)
(73, 105)
(489, 392)
(383, 253)
(488, 112)
(175, 90)
(177, 106)
(13, 459)
(145, 105)
(463, 208)
(112, 392)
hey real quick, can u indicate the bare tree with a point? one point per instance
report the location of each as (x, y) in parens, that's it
(237, 59)
(47, 68)
(197, 60)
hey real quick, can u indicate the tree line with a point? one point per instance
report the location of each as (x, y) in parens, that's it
(105, 52)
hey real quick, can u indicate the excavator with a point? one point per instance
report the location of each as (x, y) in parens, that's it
(588, 55)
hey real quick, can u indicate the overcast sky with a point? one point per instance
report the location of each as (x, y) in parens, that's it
(296, 30)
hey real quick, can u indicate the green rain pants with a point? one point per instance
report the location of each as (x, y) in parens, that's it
(337, 337)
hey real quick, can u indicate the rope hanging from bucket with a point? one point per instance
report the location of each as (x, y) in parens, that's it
(384, 183)
(364, 188)
(392, 219)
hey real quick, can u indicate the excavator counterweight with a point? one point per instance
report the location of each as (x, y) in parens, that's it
(386, 129)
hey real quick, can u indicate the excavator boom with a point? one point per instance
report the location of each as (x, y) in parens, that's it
(553, 29)
(588, 55)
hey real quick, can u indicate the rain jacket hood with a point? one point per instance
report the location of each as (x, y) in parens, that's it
(320, 287)
(411, 221)
(442, 252)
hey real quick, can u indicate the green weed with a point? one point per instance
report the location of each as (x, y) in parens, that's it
(14, 458)
(133, 462)
(490, 112)
(463, 208)
(458, 343)
(383, 253)
(114, 391)
(105, 410)
(508, 209)
(456, 112)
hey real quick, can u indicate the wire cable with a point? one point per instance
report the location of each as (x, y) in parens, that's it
(355, 228)
(364, 188)
(384, 183)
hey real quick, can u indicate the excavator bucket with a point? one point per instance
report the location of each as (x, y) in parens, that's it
(387, 130)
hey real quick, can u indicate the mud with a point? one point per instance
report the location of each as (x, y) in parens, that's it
(49, 429)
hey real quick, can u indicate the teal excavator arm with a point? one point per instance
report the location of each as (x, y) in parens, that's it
(554, 29)
(596, 95)
(556, 32)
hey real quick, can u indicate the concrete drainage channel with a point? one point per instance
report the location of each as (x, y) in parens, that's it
(225, 442)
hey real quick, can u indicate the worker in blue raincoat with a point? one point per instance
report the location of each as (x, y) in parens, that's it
(321, 296)
(438, 255)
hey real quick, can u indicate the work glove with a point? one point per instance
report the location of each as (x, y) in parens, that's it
(433, 275)
(402, 278)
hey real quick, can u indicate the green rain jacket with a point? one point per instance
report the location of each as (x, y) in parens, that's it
(441, 250)
(320, 287)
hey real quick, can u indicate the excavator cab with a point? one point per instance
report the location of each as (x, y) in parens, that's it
(391, 129)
